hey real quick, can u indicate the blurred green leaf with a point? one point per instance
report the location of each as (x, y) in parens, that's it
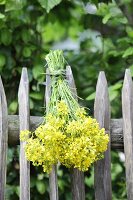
(13, 107)
(31, 104)
(49, 32)
(33, 182)
(61, 184)
(2, 16)
(89, 181)
(91, 96)
(10, 190)
(41, 187)
(129, 31)
(113, 94)
(10, 156)
(60, 173)
(27, 52)
(49, 4)
(38, 72)
(18, 190)
(116, 169)
(131, 69)
(114, 90)
(14, 5)
(128, 52)
(40, 176)
(2, 61)
(26, 35)
(6, 36)
(36, 96)
(116, 86)
(2, 2)
(106, 18)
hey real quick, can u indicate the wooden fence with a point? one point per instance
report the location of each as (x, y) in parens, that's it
(120, 131)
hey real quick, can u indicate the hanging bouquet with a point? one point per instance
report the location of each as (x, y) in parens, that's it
(67, 135)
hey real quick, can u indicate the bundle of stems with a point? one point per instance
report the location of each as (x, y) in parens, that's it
(60, 90)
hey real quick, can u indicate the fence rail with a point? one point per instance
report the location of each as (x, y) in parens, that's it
(120, 131)
(116, 130)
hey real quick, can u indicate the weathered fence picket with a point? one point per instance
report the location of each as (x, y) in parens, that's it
(23, 99)
(127, 108)
(3, 140)
(11, 125)
(77, 177)
(102, 176)
(53, 185)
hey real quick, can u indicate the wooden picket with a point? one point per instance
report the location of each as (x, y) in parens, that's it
(53, 185)
(3, 140)
(102, 175)
(77, 177)
(119, 130)
(127, 108)
(23, 99)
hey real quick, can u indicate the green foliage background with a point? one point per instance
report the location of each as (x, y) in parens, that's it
(95, 35)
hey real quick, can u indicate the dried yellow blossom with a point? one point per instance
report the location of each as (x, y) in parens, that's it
(74, 143)
(24, 135)
(62, 108)
(67, 135)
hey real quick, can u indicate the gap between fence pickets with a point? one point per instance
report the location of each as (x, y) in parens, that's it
(127, 110)
(23, 99)
(3, 140)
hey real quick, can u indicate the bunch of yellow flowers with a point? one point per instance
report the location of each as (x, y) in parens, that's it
(74, 143)
(67, 135)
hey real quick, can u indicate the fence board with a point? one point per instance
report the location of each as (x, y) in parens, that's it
(102, 177)
(127, 109)
(53, 175)
(77, 177)
(116, 130)
(23, 99)
(3, 140)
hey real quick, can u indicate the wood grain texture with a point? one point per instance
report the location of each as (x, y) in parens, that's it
(116, 133)
(23, 99)
(53, 184)
(127, 110)
(116, 130)
(102, 176)
(70, 79)
(77, 177)
(14, 129)
(3, 140)
(77, 184)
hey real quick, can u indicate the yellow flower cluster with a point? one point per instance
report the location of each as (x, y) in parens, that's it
(73, 142)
